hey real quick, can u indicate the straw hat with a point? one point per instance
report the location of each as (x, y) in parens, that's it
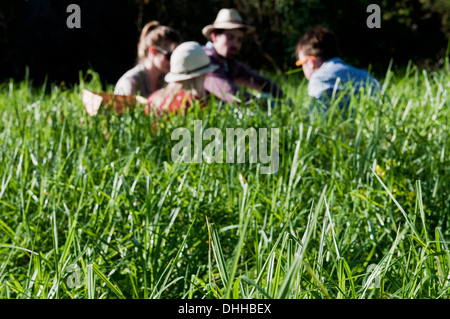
(227, 19)
(188, 61)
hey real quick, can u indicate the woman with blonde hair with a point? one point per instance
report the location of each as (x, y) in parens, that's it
(155, 47)
(189, 65)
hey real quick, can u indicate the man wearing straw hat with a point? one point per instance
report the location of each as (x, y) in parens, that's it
(226, 35)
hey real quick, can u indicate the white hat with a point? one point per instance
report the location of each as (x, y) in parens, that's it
(188, 61)
(227, 19)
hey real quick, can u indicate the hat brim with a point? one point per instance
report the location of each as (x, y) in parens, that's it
(176, 77)
(227, 26)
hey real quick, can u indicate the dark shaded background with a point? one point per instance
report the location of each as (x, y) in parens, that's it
(34, 33)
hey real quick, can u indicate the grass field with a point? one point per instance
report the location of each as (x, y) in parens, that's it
(94, 207)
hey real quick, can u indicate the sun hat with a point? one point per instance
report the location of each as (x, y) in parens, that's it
(188, 61)
(227, 19)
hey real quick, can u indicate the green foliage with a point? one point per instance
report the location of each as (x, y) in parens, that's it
(358, 209)
(405, 26)
(34, 33)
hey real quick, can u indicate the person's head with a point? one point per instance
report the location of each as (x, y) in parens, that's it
(227, 32)
(156, 44)
(227, 43)
(316, 46)
(189, 65)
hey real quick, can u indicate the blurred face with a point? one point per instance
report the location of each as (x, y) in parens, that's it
(161, 56)
(309, 65)
(228, 44)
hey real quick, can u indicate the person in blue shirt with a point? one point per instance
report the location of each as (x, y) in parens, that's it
(317, 53)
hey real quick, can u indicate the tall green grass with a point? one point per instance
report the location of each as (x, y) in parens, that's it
(95, 208)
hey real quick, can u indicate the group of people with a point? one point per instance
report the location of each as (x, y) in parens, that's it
(192, 71)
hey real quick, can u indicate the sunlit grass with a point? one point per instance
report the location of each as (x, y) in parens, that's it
(358, 209)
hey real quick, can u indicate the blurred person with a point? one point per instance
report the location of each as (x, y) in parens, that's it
(189, 65)
(155, 47)
(226, 37)
(317, 53)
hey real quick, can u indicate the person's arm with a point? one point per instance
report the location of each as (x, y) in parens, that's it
(219, 84)
(320, 92)
(247, 77)
(126, 86)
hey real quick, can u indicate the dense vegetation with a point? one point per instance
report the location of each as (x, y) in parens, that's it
(34, 33)
(93, 207)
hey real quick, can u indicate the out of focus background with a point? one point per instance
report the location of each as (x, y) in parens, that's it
(34, 34)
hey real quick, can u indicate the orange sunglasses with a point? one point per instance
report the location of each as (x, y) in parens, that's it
(302, 61)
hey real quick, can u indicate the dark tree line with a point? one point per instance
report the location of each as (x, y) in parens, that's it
(34, 33)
